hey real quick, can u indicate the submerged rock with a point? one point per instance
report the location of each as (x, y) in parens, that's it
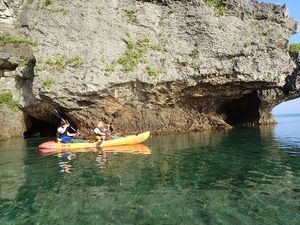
(164, 66)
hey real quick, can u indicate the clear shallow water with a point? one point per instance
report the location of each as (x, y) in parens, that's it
(244, 176)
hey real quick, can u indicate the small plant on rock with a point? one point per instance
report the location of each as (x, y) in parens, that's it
(264, 33)
(154, 72)
(48, 82)
(46, 3)
(194, 53)
(60, 62)
(59, 10)
(75, 61)
(156, 47)
(110, 68)
(131, 14)
(7, 99)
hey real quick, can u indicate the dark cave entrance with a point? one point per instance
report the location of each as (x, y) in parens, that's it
(242, 111)
(39, 128)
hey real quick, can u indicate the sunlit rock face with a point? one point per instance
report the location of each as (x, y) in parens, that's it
(9, 10)
(164, 66)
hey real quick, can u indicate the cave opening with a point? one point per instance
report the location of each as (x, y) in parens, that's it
(39, 128)
(242, 111)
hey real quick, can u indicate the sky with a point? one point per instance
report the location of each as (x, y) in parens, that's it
(292, 106)
(289, 107)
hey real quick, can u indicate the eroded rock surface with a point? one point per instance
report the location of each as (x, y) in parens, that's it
(164, 66)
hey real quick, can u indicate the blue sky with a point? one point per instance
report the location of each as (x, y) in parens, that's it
(292, 106)
(289, 107)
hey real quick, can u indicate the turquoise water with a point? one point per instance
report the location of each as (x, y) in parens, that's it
(243, 176)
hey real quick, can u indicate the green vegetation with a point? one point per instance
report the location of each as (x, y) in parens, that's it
(16, 40)
(276, 8)
(156, 47)
(194, 53)
(48, 82)
(27, 61)
(152, 72)
(46, 3)
(183, 63)
(171, 10)
(134, 53)
(218, 5)
(59, 10)
(59, 63)
(131, 14)
(74, 61)
(39, 66)
(7, 99)
(30, 1)
(264, 33)
(110, 68)
(294, 47)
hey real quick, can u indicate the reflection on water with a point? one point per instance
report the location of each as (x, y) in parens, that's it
(243, 176)
(11, 167)
(102, 155)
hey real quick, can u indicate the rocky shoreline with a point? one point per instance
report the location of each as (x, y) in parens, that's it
(163, 66)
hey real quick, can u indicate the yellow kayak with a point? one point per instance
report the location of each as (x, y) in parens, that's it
(128, 140)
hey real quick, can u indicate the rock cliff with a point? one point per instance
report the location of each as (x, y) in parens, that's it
(164, 66)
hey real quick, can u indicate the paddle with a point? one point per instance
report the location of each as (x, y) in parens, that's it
(58, 115)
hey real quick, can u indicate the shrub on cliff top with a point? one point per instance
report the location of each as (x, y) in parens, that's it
(7, 99)
(294, 47)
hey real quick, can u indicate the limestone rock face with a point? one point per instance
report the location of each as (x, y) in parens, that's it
(9, 10)
(16, 77)
(12, 123)
(292, 85)
(164, 66)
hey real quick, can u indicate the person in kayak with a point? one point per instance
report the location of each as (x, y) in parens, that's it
(62, 133)
(104, 131)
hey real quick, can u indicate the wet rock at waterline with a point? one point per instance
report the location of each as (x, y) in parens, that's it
(164, 66)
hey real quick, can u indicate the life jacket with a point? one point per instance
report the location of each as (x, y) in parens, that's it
(98, 137)
(107, 136)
